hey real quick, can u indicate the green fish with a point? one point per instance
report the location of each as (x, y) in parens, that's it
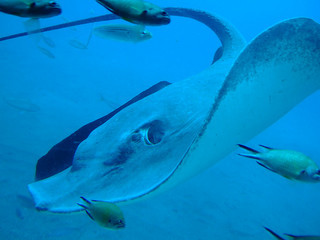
(106, 214)
(137, 11)
(290, 164)
(30, 8)
(292, 237)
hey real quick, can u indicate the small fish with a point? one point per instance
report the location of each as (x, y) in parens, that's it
(137, 11)
(19, 214)
(77, 44)
(21, 104)
(46, 52)
(105, 214)
(30, 8)
(48, 41)
(290, 164)
(292, 237)
(127, 33)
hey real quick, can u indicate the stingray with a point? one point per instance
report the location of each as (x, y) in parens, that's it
(171, 132)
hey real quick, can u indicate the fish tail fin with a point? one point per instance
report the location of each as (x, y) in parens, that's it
(274, 234)
(254, 154)
(249, 156)
(247, 148)
(88, 203)
(83, 206)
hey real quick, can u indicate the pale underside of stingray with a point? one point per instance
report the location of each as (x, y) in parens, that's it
(187, 126)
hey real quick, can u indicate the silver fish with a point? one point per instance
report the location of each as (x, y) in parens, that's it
(121, 32)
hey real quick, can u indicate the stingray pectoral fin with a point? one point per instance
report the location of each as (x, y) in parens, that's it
(275, 72)
(274, 234)
(61, 155)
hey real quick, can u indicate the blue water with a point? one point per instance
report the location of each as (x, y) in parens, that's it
(43, 100)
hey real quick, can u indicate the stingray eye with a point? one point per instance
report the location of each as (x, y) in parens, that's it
(52, 4)
(153, 133)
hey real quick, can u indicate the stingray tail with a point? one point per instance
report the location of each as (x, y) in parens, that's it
(274, 234)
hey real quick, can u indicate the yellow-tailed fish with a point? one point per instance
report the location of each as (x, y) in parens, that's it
(105, 214)
(120, 32)
(137, 11)
(30, 8)
(292, 237)
(288, 163)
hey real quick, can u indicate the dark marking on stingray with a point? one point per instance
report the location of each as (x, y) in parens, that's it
(122, 155)
(60, 156)
(113, 170)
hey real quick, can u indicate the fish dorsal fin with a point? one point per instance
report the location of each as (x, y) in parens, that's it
(32, 5)
(269, 148)
(292, 237)
(274, 234)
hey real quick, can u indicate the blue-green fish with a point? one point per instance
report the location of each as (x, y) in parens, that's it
(30, 8)
(105, 214)
(121, 32)
(137, 11)
(288, 163)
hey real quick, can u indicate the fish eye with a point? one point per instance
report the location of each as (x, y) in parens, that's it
(52, 4)
(32, 5)
(163, 13)
(303, 172)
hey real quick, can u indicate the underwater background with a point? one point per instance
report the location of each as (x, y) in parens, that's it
(44, 98)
